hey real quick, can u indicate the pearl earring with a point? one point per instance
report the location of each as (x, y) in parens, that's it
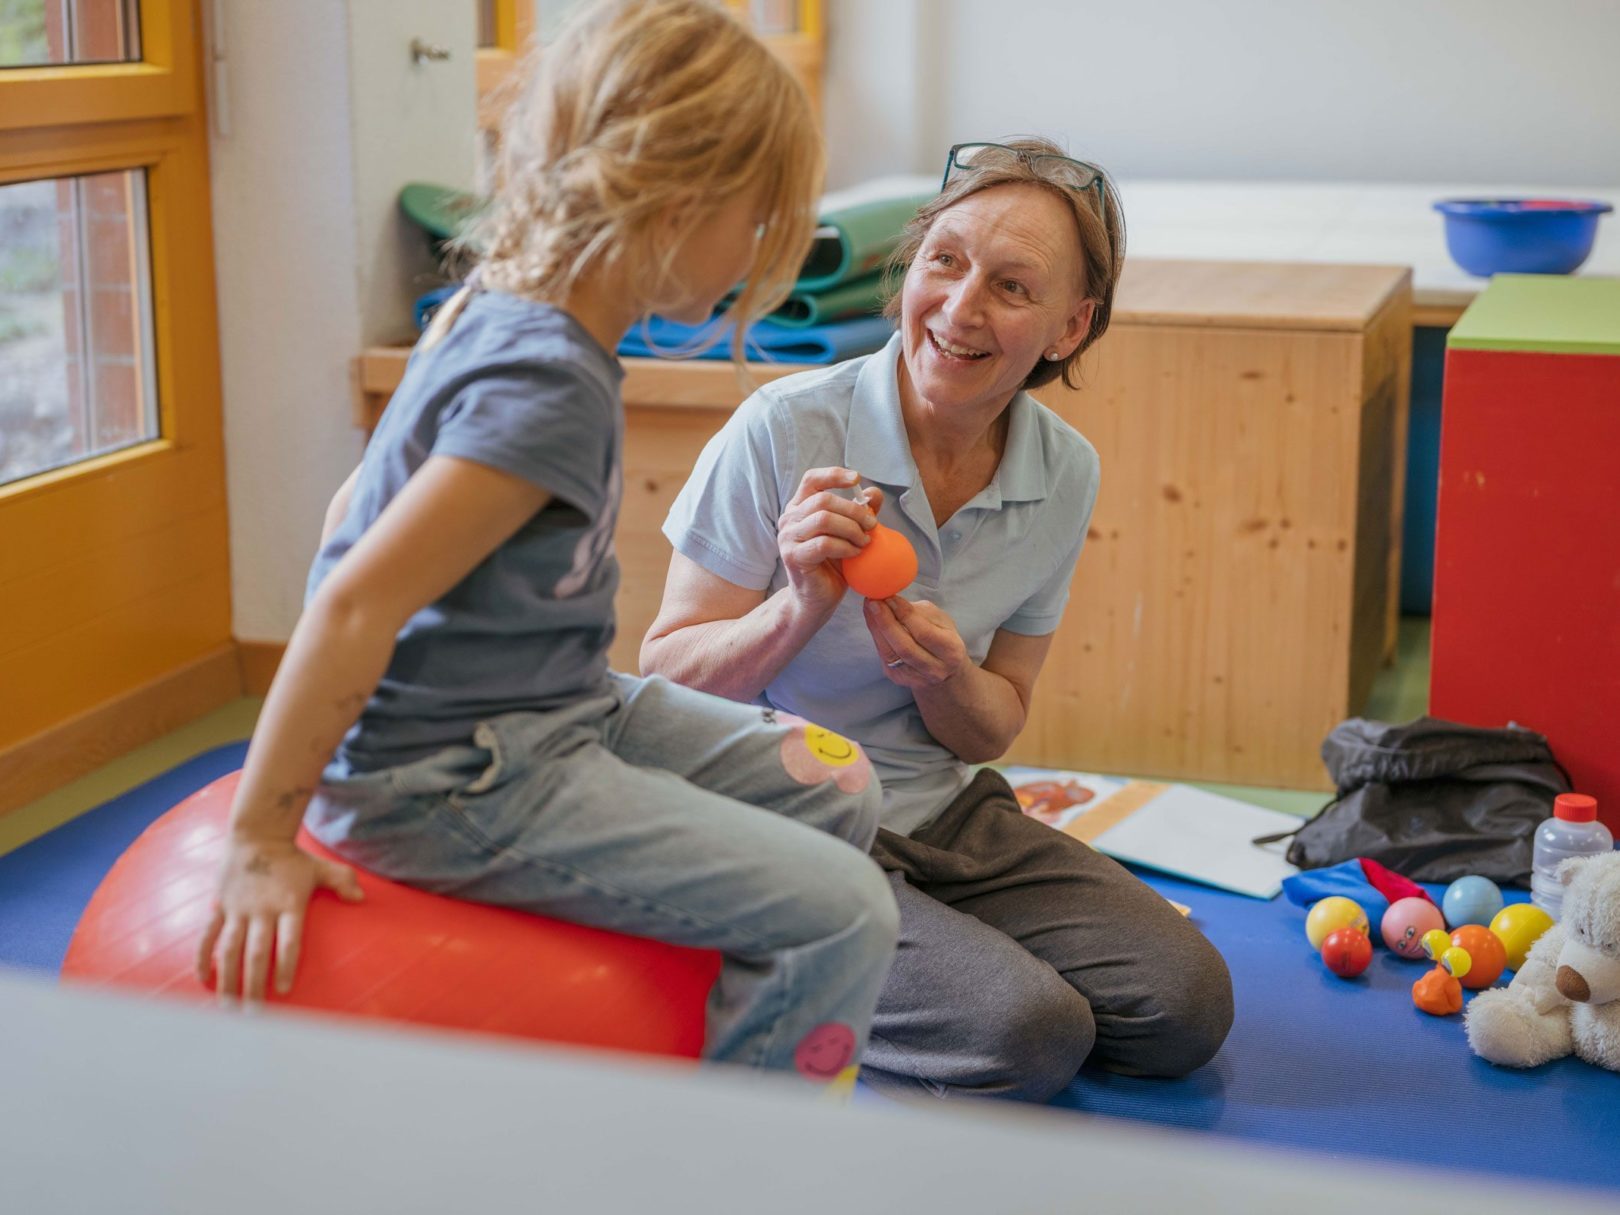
(1051, 356)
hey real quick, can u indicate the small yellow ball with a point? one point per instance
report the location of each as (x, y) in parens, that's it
(1435, 942)
(1520, 925)
(1331, 914)
(1457, 962)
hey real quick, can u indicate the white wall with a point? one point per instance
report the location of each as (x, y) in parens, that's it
(327, 119)
(1460, 91)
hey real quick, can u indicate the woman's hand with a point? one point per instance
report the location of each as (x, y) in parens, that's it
(918, 642)
(820, 528)
(264, 891)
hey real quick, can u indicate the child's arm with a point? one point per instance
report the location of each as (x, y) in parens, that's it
(451, 514)
(338, 506)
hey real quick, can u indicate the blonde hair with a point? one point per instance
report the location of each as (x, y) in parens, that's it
(1099, 224)
(637, 110)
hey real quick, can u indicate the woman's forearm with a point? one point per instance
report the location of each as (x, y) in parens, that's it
(975, 714)
(334, 662)
(736, 658)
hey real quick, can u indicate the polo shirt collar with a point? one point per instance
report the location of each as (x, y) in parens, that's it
(876, 445)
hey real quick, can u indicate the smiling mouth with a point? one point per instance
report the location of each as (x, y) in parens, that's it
(953, 352)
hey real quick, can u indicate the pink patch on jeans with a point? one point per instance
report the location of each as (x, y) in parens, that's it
(825, 1051)
(813, 755)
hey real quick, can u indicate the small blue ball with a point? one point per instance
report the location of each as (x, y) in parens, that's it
(1471, 900)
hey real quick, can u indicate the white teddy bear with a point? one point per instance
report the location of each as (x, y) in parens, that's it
(1566, 996)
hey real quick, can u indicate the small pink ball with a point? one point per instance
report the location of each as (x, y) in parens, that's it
(1405, 923)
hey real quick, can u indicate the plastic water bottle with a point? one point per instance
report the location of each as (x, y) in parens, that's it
(1573, 830)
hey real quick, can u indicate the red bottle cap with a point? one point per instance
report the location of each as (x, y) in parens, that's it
(1575, 807)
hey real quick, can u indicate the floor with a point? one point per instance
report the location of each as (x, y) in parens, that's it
(1400, 694)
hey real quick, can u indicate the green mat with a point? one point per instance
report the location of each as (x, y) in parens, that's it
(442, 212)
(859, 297)
(853, 242)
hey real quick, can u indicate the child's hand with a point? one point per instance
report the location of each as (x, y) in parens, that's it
(820, 528)
(264, 891)
(918, 643)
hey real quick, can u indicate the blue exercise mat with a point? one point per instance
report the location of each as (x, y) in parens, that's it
(830, 343)
(1351, 1068)
(45, 884)
(1345, 1067)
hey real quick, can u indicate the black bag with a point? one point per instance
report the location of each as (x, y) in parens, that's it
(1432, 800)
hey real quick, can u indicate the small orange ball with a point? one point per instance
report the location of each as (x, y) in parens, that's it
(884, 568)
(1486, 950)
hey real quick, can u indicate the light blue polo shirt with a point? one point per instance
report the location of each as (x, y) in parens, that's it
(1004, 561)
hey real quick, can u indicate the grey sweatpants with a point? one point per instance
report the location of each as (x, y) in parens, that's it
(1023, 953)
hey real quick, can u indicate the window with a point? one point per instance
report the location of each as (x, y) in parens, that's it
(35, 33)
(114, 562)
(76, 366)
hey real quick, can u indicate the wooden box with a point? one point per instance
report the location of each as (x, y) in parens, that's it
(1239, 587)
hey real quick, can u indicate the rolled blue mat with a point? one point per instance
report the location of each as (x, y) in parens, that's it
(767, 343)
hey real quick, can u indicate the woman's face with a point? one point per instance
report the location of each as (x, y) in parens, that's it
(994, 289)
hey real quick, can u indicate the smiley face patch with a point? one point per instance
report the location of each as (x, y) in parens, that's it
(825, 1053)
(814, 754)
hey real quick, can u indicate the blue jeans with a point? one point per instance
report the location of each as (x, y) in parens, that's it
(661, 812)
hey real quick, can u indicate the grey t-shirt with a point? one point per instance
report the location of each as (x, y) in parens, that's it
(521, 387)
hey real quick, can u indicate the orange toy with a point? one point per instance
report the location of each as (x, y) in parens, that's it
(401, 955)
(885, 567)
(1486, 951)
(1439, 992)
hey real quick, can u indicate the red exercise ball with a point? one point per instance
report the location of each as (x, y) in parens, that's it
(401, 955)
(884, 568)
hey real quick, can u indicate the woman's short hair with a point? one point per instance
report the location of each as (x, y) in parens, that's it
(1099, 225)
(639, 108)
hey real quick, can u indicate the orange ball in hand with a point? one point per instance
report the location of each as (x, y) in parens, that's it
(885, 567)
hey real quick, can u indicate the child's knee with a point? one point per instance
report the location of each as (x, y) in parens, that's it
(862, 818)
(851, 816)
(862, 902)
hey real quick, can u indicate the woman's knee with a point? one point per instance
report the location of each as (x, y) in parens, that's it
(1034, 1043)
(1192, 1014)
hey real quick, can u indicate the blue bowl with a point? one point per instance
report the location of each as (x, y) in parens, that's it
(1487, 236)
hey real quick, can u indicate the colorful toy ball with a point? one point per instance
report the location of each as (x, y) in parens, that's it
(1487, 955)
(1519, 926)
(1331, 914)
(1405, 923)
(884, 568)
(1435, 942)
(1471, 900)
(1347, 951)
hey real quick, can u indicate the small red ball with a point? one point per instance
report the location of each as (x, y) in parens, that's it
(1347, 952)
